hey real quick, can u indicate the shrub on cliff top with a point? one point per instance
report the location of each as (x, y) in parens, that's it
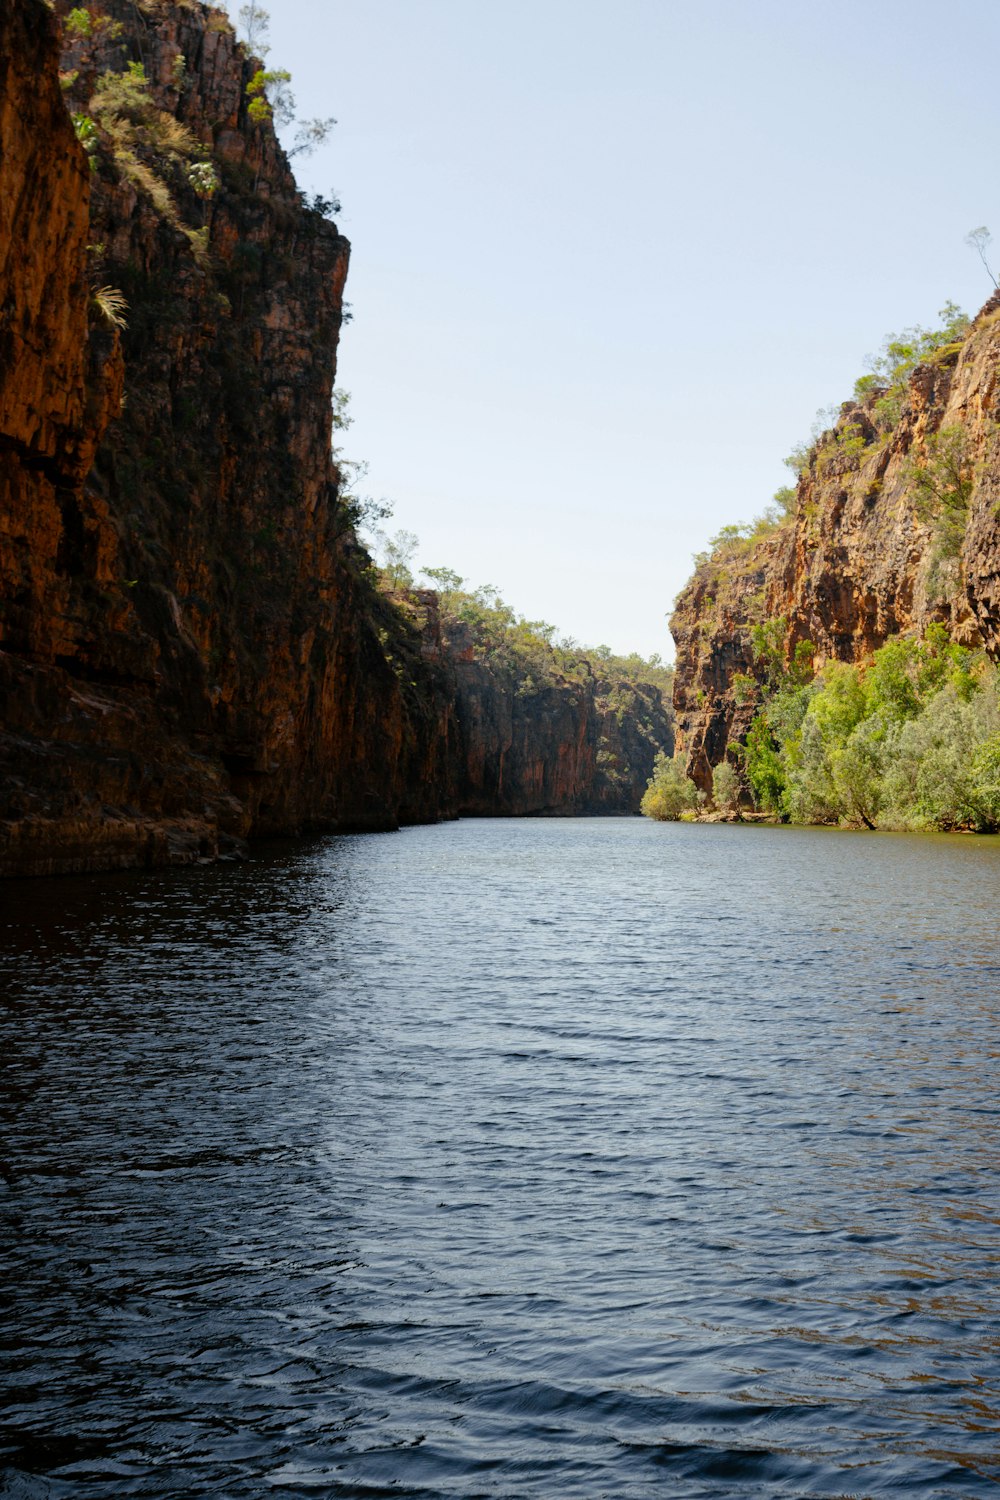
(882, 390)
(901, 353)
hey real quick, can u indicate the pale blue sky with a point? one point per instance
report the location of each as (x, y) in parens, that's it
(609, 259)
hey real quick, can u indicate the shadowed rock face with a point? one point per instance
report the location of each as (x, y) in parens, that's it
(580, 745)
(856, 564)
(191, 648)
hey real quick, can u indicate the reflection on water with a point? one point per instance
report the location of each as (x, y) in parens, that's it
(544, 1159)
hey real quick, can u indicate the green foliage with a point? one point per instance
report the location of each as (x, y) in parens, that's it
(358, 512)
(901, 353)
(269, 93)
(774, 734)
(847, 442)
(79, 23)
(729, 540)
(764, 767)
(980, 240)
(843, 441)
(942, 479)
(203, 178)
(941, 483)
(733, 541)
(798, 459)
(909, 740)
(942, 772)
(151, 148)
(269, 96)
(258, 109)
(198, 240)
(530, 653)
(726, 787)
(448, 584)
(88, 136)
(669, 794)
(889, 371)
(310, 135)
(318, 203)
(340, 401)
(767, 644)
(743, 687)
(397, 553)
(256, 22)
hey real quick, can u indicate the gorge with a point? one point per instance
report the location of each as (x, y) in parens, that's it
(194, 647)
(496, 1141)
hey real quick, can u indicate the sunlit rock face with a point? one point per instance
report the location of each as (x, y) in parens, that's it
(192, 650)
(858, 561)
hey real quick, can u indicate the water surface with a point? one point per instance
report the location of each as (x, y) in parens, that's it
(549, 1159)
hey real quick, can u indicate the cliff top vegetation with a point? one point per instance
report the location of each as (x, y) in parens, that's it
(529, 652)
(852, 431)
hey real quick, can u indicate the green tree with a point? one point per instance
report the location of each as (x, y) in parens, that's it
(669, 793)
(726, 787)
(397, 554)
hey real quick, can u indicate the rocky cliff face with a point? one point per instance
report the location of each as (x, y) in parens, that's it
(865, 554)
(192, 650)
(580, 744)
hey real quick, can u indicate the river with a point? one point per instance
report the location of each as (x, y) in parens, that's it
(509, 1158)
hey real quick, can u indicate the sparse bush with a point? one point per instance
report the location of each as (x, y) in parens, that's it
(151, 148)
(203, 178)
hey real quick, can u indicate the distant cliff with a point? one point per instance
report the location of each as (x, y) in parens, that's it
(192, 647)
(894, 525)
(541, 729)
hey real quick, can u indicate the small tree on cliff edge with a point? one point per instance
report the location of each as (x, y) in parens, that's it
(980, 240)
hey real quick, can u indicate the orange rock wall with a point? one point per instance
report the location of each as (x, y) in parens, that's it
(192, 650)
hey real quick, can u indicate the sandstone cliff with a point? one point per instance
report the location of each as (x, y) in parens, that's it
(864, 555)
(192, 647)
(563, 739)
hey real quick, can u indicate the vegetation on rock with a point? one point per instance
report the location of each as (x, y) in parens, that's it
(845, 435)
(530, 652)
(909, 739)
(887, 545)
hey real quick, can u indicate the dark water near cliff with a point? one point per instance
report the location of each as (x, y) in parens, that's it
(543, 1159)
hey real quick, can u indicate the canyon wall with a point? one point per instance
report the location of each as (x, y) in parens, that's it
(193, 648)
(580, 742)
(861, 557)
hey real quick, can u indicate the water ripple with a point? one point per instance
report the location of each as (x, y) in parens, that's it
(519, 1159)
